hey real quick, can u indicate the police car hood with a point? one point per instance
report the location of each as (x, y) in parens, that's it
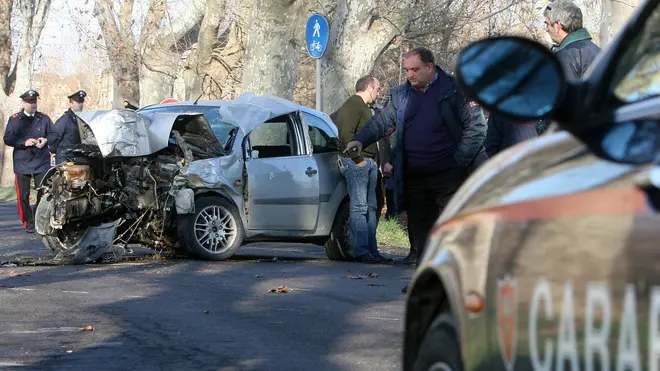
(127, 133)
(551, 165)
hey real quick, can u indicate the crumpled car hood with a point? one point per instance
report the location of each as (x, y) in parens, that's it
(127, 133)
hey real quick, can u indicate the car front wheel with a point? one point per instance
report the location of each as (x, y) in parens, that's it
(214, 231)
(440, 349)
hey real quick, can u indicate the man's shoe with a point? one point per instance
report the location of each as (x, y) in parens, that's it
(367, 259)
(411, 259)
(29, 229)
(384, 259)
(405, 290)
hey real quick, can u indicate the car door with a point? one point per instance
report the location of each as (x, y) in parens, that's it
(282, 177)
(325, 150)
(573, 275)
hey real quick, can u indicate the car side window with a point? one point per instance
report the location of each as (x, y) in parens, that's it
(273, 139)
(322, 140)
(638, 73)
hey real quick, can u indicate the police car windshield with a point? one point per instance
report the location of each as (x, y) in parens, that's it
(222, 130)
(638, 70)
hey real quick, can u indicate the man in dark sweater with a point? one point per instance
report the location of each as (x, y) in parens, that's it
(439, 137)
(361, 172)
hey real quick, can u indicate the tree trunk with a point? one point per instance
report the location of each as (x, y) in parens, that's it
(614, 15)
(120, 45)
(19, 79)
(161, 54)
(273, 51)
(214, 62)
(358, 36)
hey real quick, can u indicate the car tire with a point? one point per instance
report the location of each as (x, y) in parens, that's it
(440, 349)
(213, 215)
(338, 247)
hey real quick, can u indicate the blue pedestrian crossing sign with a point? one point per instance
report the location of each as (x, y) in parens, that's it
(316, 35)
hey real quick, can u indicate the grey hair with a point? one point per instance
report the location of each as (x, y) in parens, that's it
(566, 12)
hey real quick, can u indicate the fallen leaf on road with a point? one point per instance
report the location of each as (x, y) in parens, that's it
(280, 290)
(258, 276)
(16, 274)
(206, 312)
(87, 328)
(362, 276)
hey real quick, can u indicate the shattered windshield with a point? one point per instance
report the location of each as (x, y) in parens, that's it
(222, 130)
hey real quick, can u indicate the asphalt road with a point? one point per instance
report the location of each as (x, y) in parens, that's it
(187, 314)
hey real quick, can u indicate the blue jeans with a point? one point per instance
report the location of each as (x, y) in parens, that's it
(361, 183)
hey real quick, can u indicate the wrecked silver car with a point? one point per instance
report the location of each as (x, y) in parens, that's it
(199, 178)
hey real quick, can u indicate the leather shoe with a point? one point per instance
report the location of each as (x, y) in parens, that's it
(384, 259)
(367, 259)
(411, 259)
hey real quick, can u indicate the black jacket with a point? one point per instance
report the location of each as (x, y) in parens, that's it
(576, 53)
(503, 134)
(64, 135)
(20, 128)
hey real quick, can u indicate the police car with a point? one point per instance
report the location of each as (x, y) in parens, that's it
(548, 257)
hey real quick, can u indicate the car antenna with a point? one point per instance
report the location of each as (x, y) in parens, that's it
(196, 100)
(200, 95)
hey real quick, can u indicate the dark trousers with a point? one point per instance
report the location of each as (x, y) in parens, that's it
(426, 196)
(380, 195)
(23, 196)
(391, 207)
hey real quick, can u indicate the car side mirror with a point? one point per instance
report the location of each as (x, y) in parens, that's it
(629, 142)
(514, 77)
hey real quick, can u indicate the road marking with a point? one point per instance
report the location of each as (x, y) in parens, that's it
(383, 319)
(76, 292)
(42, 330)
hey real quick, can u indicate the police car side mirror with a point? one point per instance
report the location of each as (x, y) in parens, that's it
(515, 77)
(628, 142)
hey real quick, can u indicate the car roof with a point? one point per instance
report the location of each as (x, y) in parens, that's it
(249, 110)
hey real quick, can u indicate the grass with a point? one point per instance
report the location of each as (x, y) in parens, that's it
(391, 233)
(9, 194)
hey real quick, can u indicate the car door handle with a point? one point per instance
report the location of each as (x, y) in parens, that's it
(311, 171)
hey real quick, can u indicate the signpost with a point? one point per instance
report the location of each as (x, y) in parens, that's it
(316, 38)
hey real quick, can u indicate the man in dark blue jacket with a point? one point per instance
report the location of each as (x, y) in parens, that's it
(503, 134)
(439, 137)
(27, 131)
(66, 134)
(573, 46)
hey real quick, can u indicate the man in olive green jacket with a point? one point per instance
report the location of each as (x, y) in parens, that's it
(361, 172)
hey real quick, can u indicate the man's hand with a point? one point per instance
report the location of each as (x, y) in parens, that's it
(30, 142)
(41, 142)
(387, 168)
(354, 146)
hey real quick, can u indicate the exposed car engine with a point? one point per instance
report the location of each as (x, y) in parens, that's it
(90, 191)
